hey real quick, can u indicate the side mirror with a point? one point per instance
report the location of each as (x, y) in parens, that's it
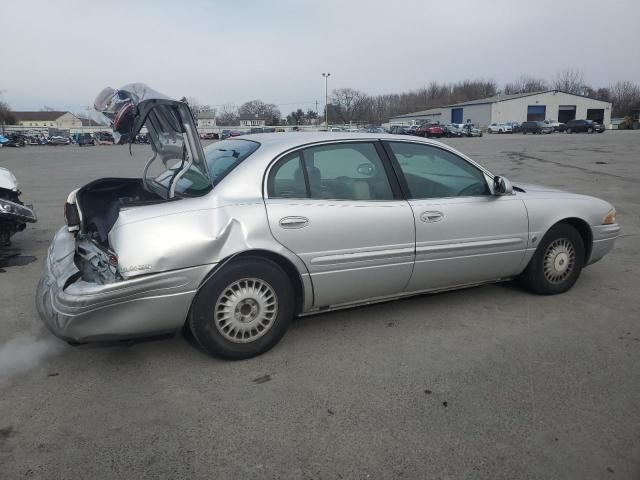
(502, 186)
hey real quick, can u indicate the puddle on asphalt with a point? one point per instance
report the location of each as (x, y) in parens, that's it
(14, 259)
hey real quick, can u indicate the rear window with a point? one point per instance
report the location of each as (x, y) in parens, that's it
(224, 156)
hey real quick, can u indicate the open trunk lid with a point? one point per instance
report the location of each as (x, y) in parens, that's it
(172, 130)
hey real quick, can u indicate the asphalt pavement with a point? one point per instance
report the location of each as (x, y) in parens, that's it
(484, 383)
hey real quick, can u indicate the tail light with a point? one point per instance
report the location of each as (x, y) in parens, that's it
(71, 216)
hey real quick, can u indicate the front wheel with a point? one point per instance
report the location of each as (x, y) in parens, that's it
(589, 130)
(556, 263)
(568, 130)
(243, 310)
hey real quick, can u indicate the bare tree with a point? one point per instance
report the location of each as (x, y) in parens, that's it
(569, 80)
(625, 97)
(227, 116)
(258, 107)
(350, 104)
(525, 84)
(6, 115)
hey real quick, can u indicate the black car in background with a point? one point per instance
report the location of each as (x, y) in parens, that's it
(85, 139)
(589, 126)
(536, 127)
(515, 127)
(398, 130)
(16, 140)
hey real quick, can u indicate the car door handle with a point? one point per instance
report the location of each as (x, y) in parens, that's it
(431, 217)
(294, 222)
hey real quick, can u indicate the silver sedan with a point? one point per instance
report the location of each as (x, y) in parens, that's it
(234, 240)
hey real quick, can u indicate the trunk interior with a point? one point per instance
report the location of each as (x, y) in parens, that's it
(101, 201)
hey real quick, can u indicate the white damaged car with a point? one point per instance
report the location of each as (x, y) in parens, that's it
(14, 215)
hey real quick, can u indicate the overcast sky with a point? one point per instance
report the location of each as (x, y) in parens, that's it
(61, 53)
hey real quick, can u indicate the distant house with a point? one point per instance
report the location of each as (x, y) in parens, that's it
(52, 118)
(206, 119)
(253, 121)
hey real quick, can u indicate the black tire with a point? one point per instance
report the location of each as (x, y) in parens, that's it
(534, 277)
(203, 325)
(568, 130)
(589, 130)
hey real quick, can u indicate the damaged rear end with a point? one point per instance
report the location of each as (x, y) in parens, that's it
(87, 292)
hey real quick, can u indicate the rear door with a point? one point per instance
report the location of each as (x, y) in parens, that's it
(336, 207)
(464, 234)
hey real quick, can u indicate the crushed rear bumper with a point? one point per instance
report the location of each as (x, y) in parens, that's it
(80, 311)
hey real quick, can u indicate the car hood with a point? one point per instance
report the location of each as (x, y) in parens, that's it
(8, 180)
(533, 188)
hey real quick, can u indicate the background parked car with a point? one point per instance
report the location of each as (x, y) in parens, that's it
(376, 130)
(429, 130)
(84, 139)
(470, 130)
(555, 126)
(589, 126)
(209, 136)
(398, 130)
(515, 127)
(536, 127)
(499, 128)
(104, 138)
(15, 140)
(450, 131)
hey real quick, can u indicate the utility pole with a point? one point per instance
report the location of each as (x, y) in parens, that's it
(326, 99)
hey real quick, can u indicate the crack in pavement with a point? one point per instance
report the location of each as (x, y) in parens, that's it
(524, 156)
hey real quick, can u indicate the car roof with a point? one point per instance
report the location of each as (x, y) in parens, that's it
(288, 140)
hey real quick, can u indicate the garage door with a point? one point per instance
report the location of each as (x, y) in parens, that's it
(566, 113)
(456, 115)
(596, 114)
(536, 113)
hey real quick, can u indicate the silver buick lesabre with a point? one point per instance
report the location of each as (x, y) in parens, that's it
(234, 240)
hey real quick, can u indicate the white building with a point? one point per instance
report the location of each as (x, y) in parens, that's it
(51, 119)
(434, 115)
(253, 121)
(547, 105)
(206, 120)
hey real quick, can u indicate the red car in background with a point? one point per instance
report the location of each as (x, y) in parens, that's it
(430, 130)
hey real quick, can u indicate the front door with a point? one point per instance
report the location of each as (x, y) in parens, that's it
(464, 234)
(334, 206)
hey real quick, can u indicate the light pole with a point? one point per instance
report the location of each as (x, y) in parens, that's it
(326, 99)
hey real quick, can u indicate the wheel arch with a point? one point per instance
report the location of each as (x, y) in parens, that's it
(585, 232)
(287, 266)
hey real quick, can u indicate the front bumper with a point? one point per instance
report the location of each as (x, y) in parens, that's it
(81, 311)
(604, 238)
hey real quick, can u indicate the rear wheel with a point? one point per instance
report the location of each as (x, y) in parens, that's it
(557, 262)
(243, 310)
(589, 130)
(568, 130)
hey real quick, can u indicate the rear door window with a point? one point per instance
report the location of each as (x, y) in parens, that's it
(346, 171)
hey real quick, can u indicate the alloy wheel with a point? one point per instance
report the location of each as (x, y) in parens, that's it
(246, 310)
(559, 261)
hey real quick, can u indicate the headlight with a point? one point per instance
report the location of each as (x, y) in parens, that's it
(17, 211)
(610, 218)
